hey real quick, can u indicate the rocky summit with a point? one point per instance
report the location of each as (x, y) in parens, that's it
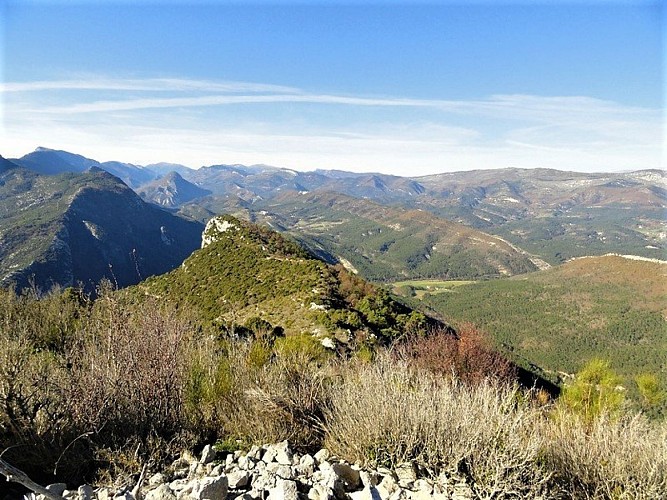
(275, 471)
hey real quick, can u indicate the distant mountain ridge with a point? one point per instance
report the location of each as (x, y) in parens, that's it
(386, 243)
(47, 161)
(551, 214)
(6, 164)
(172, 190)
(51, 162)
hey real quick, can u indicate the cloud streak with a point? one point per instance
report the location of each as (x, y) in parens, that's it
(148, 84)
(200, 122)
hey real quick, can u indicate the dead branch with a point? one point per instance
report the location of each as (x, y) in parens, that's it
(15, 475)
(136, 491)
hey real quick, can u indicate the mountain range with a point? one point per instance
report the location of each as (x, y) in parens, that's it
(171, 190)
(67, 220)
(463, 225)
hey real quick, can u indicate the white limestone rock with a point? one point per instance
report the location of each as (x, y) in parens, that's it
(57, 488)
(348, 475)
(322, 455)
(406, 474)
(306, 466)
(161, 492)
(283, 453)
(207, 454)
(284, 490)
(85, 492)
(321, 492)
(210, 488)
(214, 227)
(238, 479)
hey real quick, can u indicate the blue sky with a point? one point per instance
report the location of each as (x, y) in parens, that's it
(403, 87)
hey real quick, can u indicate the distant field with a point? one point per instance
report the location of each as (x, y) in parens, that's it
(419, 288)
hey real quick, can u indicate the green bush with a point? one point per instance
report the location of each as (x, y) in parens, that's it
(595, 391)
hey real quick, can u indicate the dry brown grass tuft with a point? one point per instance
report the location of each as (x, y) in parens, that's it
(506, 444)
(609, 458)
(387, 414)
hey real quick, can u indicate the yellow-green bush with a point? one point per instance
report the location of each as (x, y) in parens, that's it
(594, 391)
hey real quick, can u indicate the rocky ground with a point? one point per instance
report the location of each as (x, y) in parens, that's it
(275, 472)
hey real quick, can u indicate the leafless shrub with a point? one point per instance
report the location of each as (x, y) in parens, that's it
(615, 458)
(128, 374)
(387, 413)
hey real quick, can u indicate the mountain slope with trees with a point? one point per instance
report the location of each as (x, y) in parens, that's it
(251, 277)
(81, 228)
(609, 307)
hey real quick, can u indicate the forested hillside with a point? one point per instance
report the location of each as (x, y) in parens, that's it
(609, 307)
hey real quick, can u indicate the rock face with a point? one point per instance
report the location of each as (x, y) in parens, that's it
(275, 472)
(172, 190)
(214, 228)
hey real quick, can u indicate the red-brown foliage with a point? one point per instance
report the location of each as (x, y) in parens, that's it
(467, 356)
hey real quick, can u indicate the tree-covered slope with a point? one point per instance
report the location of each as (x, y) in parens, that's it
(80, 228)
(610, 307)
(246, 275)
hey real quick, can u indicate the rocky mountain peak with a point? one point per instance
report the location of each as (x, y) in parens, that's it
(216, 226)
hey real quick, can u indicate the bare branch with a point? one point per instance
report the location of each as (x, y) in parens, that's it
(15, 475)
(136, 491)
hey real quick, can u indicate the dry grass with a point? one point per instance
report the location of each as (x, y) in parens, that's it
(387, 414)
(621, 459)
(503, 442)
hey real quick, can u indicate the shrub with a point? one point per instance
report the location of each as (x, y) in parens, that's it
(81, 385)
(34, 422)
(281, 399)
(301, 349)
(487, 433)
(467, 356)
(621, 458)
(129, 372)
(651, 392)
(595, 391)
(35, 419)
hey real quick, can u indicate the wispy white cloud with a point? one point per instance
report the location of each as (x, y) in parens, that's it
(148, 84)
(203, 122)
